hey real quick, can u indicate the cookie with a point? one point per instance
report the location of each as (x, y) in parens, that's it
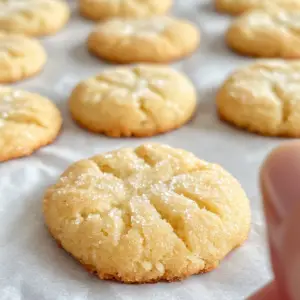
(20, 57)
(27, 122)
(263, 98)
(149, 214)
(137, 9)
(157, 39)
(236, 7)
(33, 17)
(141, 100)
(266, 33)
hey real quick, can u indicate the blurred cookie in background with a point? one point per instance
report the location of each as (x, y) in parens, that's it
(263, 98)
(28, 121)
(33, 17)
(158, 39)
(142, 100)
(266, 33)
(237, 7)
(20, 57)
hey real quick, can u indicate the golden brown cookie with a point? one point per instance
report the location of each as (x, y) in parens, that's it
(266, 33)
(157, 39)
(20, 57)
(137, 9)
(27, 122)
(263, 98)
(149, 214)
(140, 100)
(33, 17)
(237, 7)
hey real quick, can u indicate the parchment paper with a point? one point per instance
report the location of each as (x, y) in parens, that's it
(32, 267)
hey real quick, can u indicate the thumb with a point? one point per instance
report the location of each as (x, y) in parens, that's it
(280, 182)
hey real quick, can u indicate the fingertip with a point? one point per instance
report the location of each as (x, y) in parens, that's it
(269, 292)
(285, 150)
(279, 178)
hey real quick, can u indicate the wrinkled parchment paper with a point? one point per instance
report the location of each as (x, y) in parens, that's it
(32, 267)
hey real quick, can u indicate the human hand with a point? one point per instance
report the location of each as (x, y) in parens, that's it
(280, 184)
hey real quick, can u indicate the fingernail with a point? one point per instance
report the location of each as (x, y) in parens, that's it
(280, 178)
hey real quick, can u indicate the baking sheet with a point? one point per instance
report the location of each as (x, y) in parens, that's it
(34, 268)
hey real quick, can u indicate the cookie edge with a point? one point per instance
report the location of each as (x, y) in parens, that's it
(109, 277)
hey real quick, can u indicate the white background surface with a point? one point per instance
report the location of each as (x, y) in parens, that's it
(32, 267)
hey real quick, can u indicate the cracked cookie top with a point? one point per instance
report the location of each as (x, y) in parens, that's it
(27, 122)
(147, 214)
(140, 100)
(139, 9)
(143, 28)
(264, 98)
(266, 33)
(33, 17)
(156, 39)
(20, 57)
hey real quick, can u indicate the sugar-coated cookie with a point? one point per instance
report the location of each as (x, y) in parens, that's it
(33, 17)
(266, 33)
(20, 57)
(157, 39)
(149, 214)
(263, 98)
(27, 122)
(140, 100)
(137, 9)
(236, 7)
